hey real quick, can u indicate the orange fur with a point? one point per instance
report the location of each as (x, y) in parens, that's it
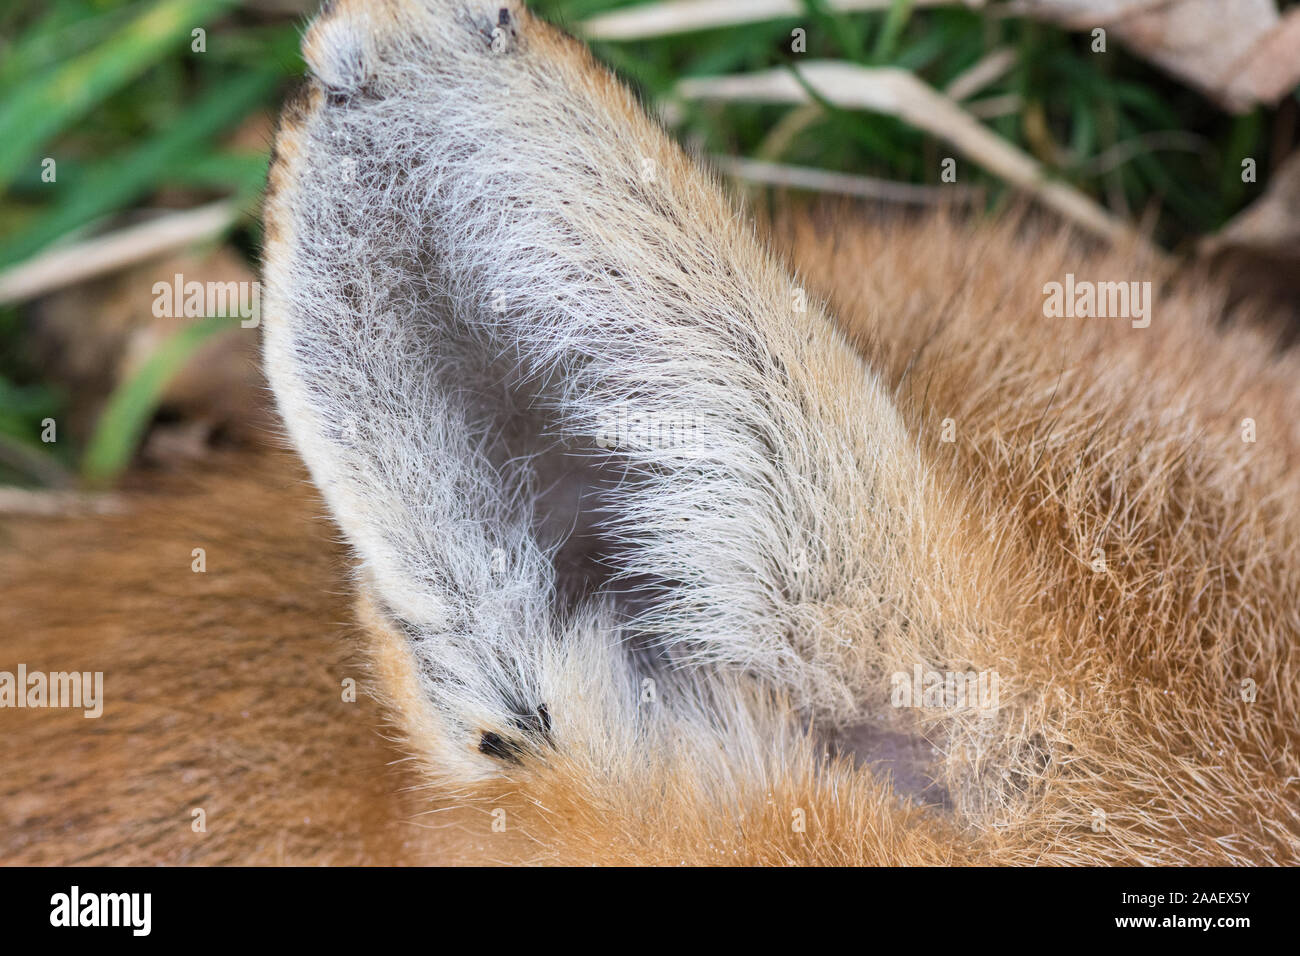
(223, 688)
(1071, 438)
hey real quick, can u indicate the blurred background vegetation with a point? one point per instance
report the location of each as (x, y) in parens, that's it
(140, 121)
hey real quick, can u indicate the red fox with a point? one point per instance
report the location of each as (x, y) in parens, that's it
(673, 540)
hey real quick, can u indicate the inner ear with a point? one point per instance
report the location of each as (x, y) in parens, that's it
(561, 480)
(786, 536)
(568, 483)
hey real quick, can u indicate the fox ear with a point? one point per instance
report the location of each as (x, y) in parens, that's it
(549, 382)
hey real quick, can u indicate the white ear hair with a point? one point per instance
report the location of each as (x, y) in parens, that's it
(489, 275)
(338, 49)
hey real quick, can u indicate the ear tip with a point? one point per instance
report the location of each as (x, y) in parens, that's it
(336, 47)
(341, 43)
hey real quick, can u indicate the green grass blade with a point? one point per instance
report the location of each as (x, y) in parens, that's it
(64, 29)
(123, 179)
(132, 404)
(48, 104)
(900, 11)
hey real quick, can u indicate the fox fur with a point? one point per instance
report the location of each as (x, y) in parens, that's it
(480, 254)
